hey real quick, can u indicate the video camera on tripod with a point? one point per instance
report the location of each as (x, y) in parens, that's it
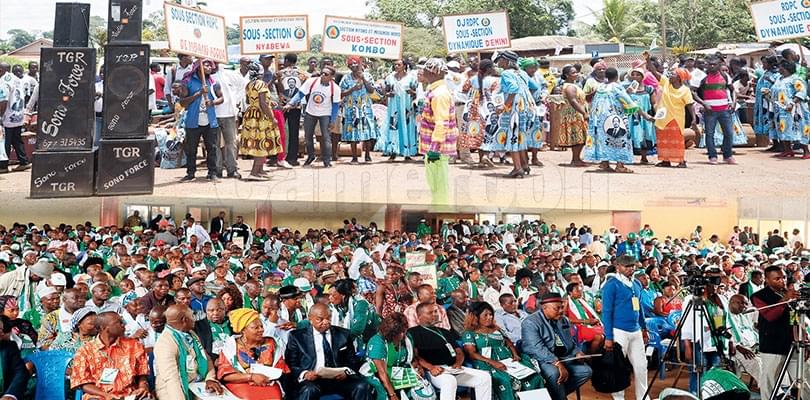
(697, 279)
(802, 303)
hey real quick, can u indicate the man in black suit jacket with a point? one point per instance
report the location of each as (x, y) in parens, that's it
(324, 346)
(215, 311)
(218, 224)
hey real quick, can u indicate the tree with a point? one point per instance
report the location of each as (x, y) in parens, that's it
(233, 34)
(316, 43)
(19, 38)
(154, 27)
(422, 42)
(618, 22)
(527, 17)
(698, 24)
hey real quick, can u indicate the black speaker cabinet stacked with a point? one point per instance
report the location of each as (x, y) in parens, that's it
(126, 161)
(64, 158)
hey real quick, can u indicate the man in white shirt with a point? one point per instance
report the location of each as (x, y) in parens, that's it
(744, 337)
(232, 84)
(152, 94)
(176, 74)
(494, 291)
(98, 106)
(12, 111)
(322, 95)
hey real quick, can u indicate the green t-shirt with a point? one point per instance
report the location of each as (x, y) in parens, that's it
(494, 341)
(379, 349)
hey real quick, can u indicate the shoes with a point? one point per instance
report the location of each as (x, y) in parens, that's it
(235, 175)
(294, 163)
(213, 178)
(188, 178)
(368, 158)
(22, 167)
(327, 165)
(309, 161)
(284, 164)
(354, 161)
(713, 161)
(730, 161)
(252, 177)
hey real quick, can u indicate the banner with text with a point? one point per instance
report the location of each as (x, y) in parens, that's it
(781, 19)
(351, 36)
(476, 32)
(196, 32)
(287, 33)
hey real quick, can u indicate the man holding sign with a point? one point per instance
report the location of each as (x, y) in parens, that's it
(202, 94)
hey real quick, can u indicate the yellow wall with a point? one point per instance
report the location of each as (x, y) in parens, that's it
(680, 221)
(17, 208)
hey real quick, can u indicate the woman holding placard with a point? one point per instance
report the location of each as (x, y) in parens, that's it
(359, 124)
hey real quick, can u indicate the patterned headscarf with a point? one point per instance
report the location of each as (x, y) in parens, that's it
(436, 66)
(527, 62)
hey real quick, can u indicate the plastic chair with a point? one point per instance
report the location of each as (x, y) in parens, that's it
(51, 368)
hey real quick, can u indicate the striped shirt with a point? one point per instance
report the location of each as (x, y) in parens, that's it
(715, 92)
(438, 131)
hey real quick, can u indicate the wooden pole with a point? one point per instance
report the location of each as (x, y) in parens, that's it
(201, 71)
(663, 32)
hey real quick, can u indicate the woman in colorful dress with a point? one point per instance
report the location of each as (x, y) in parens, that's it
(789, 96)
(388, 299)
(516, 113)
(359, 123)
(248, 347)
(84, 329)
(399, 131)
(642, 131)
(763, 113)
(482, 119)
(608, 137)
(589, 328)
(485, 343)
(676, 100)
(259, 135)
(537, 131)
(574, 117)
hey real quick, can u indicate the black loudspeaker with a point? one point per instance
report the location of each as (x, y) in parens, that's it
(126, 166)
(66, 95)
(124, 21)
(126, 91)
(71, 27)
(65, 174)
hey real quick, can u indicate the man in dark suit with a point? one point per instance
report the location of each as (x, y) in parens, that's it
(320, 346)
(218, 224)
(15, 375)
(214, 328)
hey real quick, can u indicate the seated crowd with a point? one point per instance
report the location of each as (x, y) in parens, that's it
(493, 310)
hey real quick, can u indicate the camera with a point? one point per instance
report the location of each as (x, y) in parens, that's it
(802, 304)
(697, 279)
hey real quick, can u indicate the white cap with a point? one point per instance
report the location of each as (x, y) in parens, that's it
(198, 269)
(58, 279)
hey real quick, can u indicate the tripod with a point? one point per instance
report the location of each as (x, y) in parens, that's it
(696, 306)
(798, 380)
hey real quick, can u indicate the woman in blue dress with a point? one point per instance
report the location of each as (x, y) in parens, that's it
(359, 124)
(763, 114)
(537, 132)
(642, 132)
(480, 116)
(399, 130)
(516, 114)
(608, 137)
(789, 96)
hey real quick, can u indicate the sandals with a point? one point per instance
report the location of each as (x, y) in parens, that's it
(517, 174)
(623, 170)
(664, 164)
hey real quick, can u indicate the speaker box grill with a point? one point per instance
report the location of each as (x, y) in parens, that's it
(125, 21)
(66, 94)
(71, 25)
(126, 166)
(64, 174)
(126, 90)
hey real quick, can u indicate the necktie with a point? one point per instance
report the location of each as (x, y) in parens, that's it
(328, 357)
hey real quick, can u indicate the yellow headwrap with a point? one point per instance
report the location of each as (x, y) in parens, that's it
(242, 317)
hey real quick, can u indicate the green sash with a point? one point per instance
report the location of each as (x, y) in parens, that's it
(202, 360)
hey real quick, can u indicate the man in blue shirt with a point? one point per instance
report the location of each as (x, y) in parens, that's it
(630, 247)
(201, 118)
(624, 320)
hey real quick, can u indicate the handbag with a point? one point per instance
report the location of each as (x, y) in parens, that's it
(424, 391)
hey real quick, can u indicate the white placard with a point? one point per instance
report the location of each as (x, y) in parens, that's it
(365, 38)
(196, 32)
(274, 34)
(475, 32)
(781, 19)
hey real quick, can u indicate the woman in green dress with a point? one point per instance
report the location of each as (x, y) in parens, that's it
(352, 311)
(391, 368)
(490, 350)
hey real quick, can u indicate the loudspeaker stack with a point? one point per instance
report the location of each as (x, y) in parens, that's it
(126, 152)
(64, 158)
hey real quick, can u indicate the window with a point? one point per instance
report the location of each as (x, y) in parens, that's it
(487, 217)
(147, 212)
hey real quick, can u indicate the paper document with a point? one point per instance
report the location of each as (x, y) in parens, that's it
(330, 373)
(583, 357)
(198, 389)
(661, 113)
(537, 394)
(517, 369)
(270, 372)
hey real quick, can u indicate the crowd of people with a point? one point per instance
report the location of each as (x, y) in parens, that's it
(156, 308)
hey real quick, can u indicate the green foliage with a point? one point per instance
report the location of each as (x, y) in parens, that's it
(233, 34)
(423, 42)
(618, 22)
(700, 24)
(19, 38)
(527, 17)
(12, 61)
(154, 27)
